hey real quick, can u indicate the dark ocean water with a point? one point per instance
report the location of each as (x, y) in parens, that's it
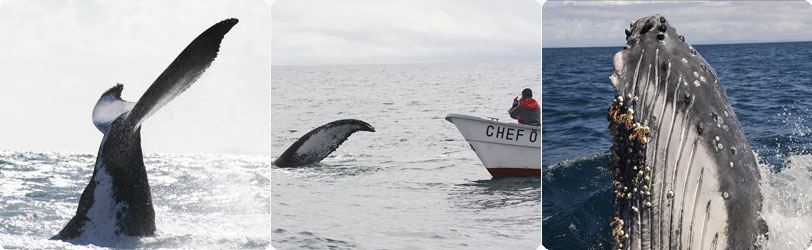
(770, 89)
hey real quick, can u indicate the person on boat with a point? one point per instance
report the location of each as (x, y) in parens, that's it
(526, 110)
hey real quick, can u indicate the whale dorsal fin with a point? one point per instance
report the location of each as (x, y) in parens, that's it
(109, 107)
(180, 75)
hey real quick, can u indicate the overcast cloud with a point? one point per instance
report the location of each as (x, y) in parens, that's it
(601, 23)
(396, 31)
(58, 57)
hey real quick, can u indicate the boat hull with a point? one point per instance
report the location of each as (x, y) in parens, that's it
(506, 149)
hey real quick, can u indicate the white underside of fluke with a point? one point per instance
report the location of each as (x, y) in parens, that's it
(108, 109)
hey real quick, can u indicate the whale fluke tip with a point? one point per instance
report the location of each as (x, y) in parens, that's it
(115, 90)
(231, 21)
(227, 23)
(364, 125)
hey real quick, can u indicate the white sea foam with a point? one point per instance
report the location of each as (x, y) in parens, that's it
(787, 205)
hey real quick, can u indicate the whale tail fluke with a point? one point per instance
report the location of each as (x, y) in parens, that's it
(320, 142)
(181, 73)
(117, 201)
(179, 76)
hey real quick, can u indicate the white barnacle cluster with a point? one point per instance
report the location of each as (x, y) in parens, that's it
(717, 143)
(631, 182)
(633, 195)
(622, 127)
(623, 115)
(720, 122)
(699, 77)
(617, 232)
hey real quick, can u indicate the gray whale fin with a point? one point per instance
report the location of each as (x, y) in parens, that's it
(684, 174)
(117, 201)
(320, 142)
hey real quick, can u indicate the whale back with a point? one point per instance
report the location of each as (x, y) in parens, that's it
(684, 174)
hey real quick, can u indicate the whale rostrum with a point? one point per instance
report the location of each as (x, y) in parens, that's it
(117, 201)
(684, 176)
(320, 142)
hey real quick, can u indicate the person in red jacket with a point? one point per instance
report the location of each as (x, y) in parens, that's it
(526, 110)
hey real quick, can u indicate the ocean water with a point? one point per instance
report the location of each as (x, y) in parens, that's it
(200, 201)
(770, 89)
(413, 184)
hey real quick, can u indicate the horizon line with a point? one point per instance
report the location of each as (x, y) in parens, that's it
(404, 63)
(698, 44)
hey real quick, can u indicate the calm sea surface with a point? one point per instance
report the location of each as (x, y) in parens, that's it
(413, 184)
(200, 201)
(770, 89)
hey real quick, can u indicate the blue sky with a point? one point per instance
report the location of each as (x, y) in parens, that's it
(601, 23)
(396, 31)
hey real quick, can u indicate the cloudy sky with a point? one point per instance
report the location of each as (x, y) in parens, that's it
(58, 57)
(396, 31)
(601, 23)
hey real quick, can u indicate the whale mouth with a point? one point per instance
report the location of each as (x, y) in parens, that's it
(682, 173)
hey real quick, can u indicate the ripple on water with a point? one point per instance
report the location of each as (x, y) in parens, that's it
(40, 192)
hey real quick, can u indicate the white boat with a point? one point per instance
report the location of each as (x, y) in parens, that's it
(506, 149)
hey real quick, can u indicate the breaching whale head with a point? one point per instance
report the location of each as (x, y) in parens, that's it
(320, 142)
(117, 201)
(684, 174)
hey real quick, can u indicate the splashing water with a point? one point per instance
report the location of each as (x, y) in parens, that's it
(787, 205)
(200, 201)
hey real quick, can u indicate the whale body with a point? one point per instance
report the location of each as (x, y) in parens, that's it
(684, 174)
(117, 201)
(320, 142)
